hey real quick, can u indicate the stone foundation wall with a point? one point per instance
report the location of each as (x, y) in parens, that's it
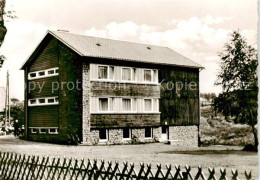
(185, 135)
(115, 136)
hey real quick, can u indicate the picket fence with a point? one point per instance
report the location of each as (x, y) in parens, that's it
(27, 167)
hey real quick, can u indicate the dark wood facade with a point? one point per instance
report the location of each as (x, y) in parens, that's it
(177, 107)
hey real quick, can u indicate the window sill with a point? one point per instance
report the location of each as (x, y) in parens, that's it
(126, 139)
(103, 140)
(148, 138)
(123, 82)
(137, 113)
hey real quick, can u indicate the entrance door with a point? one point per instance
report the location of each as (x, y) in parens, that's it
(165, 133)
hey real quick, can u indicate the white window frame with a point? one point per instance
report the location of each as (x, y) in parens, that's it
(130, 134)
(151, 104)
(153, 81)
(46, 101)
(108, 73)
(32, 130)
(131, 74)
(103, 140)
(109, 103)
(49, 131)
(138, 78)
(40, 130)
(131, 102)
(43, 76)
(151, 133)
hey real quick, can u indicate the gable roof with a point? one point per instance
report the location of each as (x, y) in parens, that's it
(120, 50)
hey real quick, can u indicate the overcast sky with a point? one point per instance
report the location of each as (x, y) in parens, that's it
(197, 29)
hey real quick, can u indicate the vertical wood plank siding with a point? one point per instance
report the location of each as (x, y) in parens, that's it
(43, 116)
(48, 58)
(179, 108)
(43, 87)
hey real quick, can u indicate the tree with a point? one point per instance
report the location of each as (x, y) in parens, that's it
(16, 113)
(238, 78)
(4, 14)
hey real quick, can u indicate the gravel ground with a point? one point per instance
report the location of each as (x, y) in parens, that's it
(230, 157)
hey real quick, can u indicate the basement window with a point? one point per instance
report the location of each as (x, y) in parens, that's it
(53, 131)
(43, 131)
(148, 133)
(33, 130)
(57, 71)
(51, 100)
(126, 133)
(103, 135)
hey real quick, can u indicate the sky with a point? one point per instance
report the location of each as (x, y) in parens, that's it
(196, 29)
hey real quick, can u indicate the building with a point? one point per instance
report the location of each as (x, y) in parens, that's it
(103, 91)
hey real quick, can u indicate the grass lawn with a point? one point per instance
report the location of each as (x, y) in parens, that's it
(230, 157)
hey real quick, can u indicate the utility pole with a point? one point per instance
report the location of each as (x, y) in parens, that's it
(7, 103)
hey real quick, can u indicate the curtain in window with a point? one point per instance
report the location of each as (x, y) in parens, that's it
(148, 105)
(102, 72)
(148, 75)
(126, 74)
(111, 72)
(126, 104)
(103, 104)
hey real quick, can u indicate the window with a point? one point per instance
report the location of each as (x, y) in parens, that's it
(126, 104)
(103, 135)
(105, 72)
(155, 105)
(148, 132)
(43, 131)
(111, 72)
(164, 129)
(102, 72)
(126, 74)
(151, 75)
(126, 133)
(41, 101)
(32, 75)
(32, 101)
(33, 130)
(103, 104)
(51, 100)
(148, 75)
(51, 72)
(147, 105)
(42, 73)
(53, 131)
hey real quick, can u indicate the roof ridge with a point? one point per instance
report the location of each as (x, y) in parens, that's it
(109, 39)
